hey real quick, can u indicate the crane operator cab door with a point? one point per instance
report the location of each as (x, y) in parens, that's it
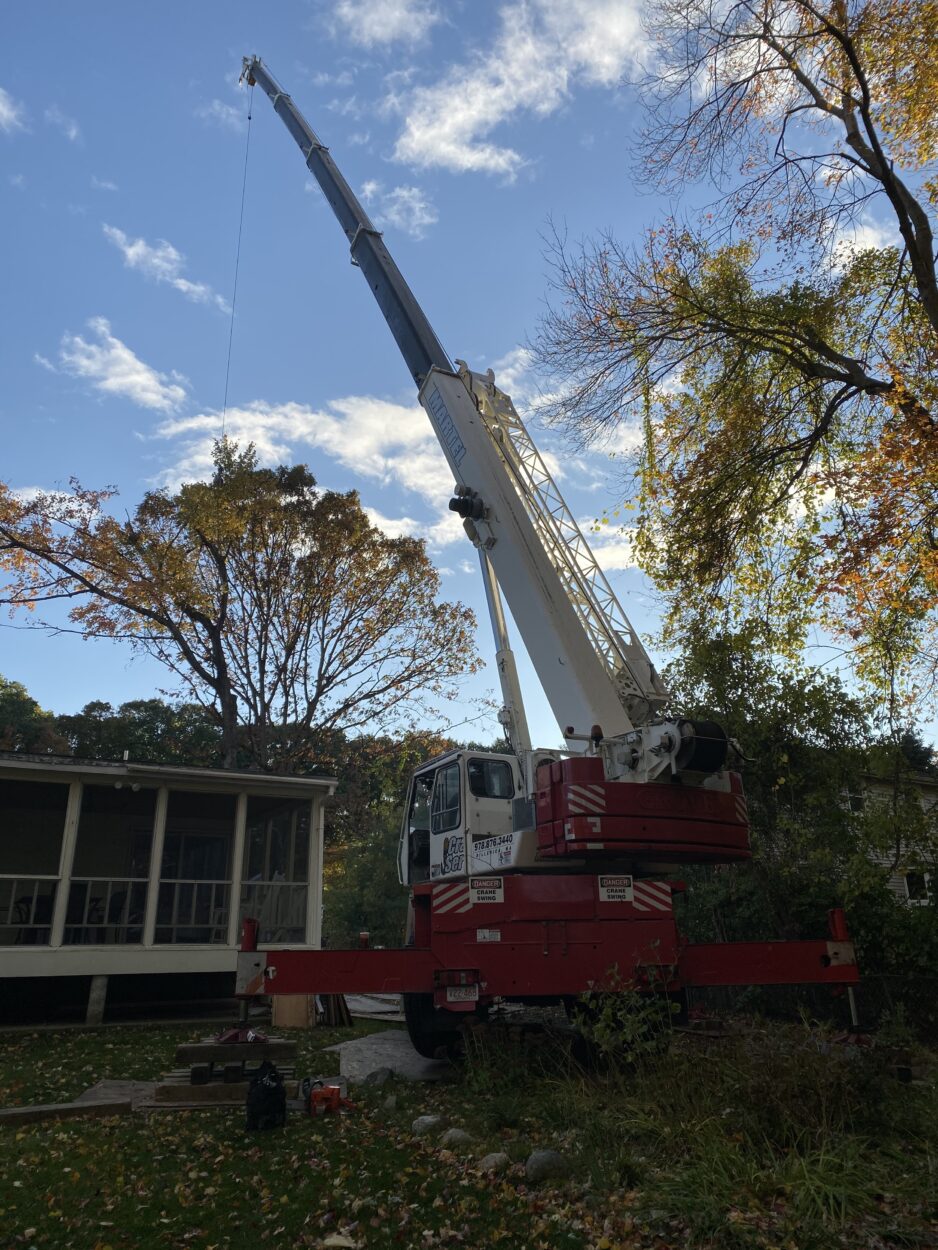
(433, 839)
(462, 797)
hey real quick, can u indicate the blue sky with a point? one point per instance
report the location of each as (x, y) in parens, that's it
(464, 126)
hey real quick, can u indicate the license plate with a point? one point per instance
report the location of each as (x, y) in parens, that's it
(462, 993)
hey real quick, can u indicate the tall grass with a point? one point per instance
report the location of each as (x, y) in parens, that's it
(776, 1136)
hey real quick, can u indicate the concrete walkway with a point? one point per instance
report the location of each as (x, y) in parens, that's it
(390, 1049)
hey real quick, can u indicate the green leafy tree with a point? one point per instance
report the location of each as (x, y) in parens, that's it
(361, 887)
(278, 607)
(149, 730)
(24, 726)
(834, 813)
(805, 740)
(787, 380)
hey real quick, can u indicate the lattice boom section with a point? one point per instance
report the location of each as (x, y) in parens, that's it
(591, 595)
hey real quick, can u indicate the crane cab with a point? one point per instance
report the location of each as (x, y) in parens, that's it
(460, 818)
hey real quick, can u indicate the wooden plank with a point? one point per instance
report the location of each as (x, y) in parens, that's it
(233, 1052)
(215, 1095)
(64, 1111)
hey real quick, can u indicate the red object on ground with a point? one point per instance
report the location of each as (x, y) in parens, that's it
(238, 1035)
(327, 1100)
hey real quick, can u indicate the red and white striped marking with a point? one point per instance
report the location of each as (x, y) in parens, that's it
(742, 811)
(651, 896)
(586, 800)
(452, 897)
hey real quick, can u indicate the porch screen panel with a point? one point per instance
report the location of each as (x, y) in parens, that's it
(108, 892)
(32, 823)
(195, 878)
(275, 881)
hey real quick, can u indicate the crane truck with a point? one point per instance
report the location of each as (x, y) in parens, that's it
(538, 875)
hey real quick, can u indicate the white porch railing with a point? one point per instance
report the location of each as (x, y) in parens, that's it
(279, 906)
(192, 911)
(26, 905)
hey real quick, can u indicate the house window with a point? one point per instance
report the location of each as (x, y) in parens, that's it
(195, 878)
(917, 887)
(108, 892)
(276, 867)
(32, 821)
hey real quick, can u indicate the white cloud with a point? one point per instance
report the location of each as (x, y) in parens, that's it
(44, 362)
(614, 548)
(404, 208)
(103, 184)
(68, 126)
(18, 181)
(11, 113)
(514, 374)
(373, 437)
(218, 113)
(443, 532)
(392, 444)
(544, 49)
(111, 367)
(377, 23)
(162, 263)
(349, 107)
(859, 236)
(343, 79)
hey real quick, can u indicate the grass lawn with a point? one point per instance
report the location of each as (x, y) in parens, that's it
(761, 1141)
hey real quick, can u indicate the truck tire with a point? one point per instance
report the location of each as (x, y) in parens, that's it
(430, 1029)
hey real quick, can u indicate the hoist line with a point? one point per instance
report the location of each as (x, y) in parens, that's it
(234, 293)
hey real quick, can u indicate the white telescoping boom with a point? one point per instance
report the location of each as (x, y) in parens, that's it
(594, 670)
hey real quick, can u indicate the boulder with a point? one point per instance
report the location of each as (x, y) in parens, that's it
(545, 1165)
(425, 1125)
(498, 1161)
(456, 1139)
(377, 1078)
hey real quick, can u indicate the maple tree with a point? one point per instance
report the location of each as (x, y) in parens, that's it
(277, 606)
(780, 342)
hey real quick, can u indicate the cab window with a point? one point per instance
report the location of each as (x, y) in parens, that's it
(491, 779)
(419, 814)
(444, 809)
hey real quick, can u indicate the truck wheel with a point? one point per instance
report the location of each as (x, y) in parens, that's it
(429, 1028)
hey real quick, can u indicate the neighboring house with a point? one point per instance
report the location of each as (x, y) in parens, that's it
(909, 883)
(112, 869)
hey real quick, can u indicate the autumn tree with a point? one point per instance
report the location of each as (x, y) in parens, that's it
(277, 606)
(773, 351)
